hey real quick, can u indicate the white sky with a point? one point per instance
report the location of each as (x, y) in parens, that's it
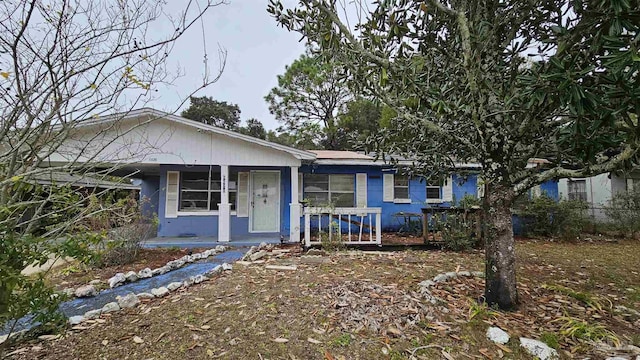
(257, 51)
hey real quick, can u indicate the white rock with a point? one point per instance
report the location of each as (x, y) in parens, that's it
(145, 273)
(207, 253)
(145, 295)
(110, 307)
(226, 267)
(538, 349)
(131, 276)
(199, 278)
(479, 274)
(464, 273)
(216, 270)
(75, 320)
(249, 252)
(197, 256)
(94, 282)
(69, 292)
(3, 338)
(93, 314)
(175, 264)
(263, 245)
(220, 248)
(616, 358)
(426, 284)
(174, 286)
(160, 292)
(86, 291)
(161, 270)
(128, 301)
(441, 278)
(497, 335)
(258, 255)
(117, 280)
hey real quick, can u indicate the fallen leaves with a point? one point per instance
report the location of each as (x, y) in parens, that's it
(281, 340)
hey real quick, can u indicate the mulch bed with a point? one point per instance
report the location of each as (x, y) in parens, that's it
(77, 275)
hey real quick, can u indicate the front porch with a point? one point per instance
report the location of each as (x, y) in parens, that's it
(210, 241)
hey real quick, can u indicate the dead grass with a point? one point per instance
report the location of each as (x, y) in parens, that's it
(325, 310)
(76, 274)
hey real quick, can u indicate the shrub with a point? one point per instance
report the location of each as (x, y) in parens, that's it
(624, 212)
(543, 216)
(333, 242)
(457, 231)
(124, 230)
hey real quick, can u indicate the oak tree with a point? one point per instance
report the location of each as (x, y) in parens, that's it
(494, 82)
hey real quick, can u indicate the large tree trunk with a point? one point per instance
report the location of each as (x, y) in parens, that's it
(500, 285)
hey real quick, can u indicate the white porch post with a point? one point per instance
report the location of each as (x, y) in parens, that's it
(224, 208)
(294, 208)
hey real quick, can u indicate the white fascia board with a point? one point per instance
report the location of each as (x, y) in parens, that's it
(298, 154)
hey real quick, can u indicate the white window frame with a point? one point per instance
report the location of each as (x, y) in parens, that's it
(570, 185)
(396, 199)
(329, 191)
(433, 201)
(209, 191)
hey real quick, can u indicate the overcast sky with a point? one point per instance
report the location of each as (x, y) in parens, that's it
(257, 51)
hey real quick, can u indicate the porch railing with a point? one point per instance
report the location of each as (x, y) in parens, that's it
(354, 226)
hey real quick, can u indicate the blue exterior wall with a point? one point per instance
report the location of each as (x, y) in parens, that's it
(149, 196)
(417, 190)
(207, 225)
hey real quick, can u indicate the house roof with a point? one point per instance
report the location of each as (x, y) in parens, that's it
(80, 181)
(339, 154)
(150, 112)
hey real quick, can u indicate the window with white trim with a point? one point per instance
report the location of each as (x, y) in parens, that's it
(330, 189)
(202, 191)
(434, 193)
(577, 189)
(401, 187)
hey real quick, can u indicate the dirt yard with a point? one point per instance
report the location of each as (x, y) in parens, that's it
(351, 305)
(75, 275)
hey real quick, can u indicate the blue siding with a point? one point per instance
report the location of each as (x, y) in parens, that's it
(551, 189)
(417, 190)
(207, 225)
(149, 196)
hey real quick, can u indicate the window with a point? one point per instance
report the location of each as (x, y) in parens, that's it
(325, 189)
(433, 193)
(201, 191)
(577, 190)
(401, 187)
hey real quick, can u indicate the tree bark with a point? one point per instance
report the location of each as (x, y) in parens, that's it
(500, 281)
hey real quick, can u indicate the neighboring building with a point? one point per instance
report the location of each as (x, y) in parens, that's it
(597, 190)
(206, 181)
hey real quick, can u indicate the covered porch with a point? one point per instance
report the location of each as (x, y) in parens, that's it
(223, 203)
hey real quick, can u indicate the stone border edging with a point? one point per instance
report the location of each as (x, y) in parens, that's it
(132, 300)
(89, 290)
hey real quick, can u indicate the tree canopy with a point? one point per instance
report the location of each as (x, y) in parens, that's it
(213, 112)
(310, 92)
(494, 82)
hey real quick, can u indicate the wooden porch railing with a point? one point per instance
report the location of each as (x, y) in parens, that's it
(363, 225)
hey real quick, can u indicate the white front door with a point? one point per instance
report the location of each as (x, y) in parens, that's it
(265, 201)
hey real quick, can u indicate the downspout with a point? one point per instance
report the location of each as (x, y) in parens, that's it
(593, 210)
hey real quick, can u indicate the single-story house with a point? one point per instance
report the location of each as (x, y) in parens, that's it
(598, 190)
(206, 181)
